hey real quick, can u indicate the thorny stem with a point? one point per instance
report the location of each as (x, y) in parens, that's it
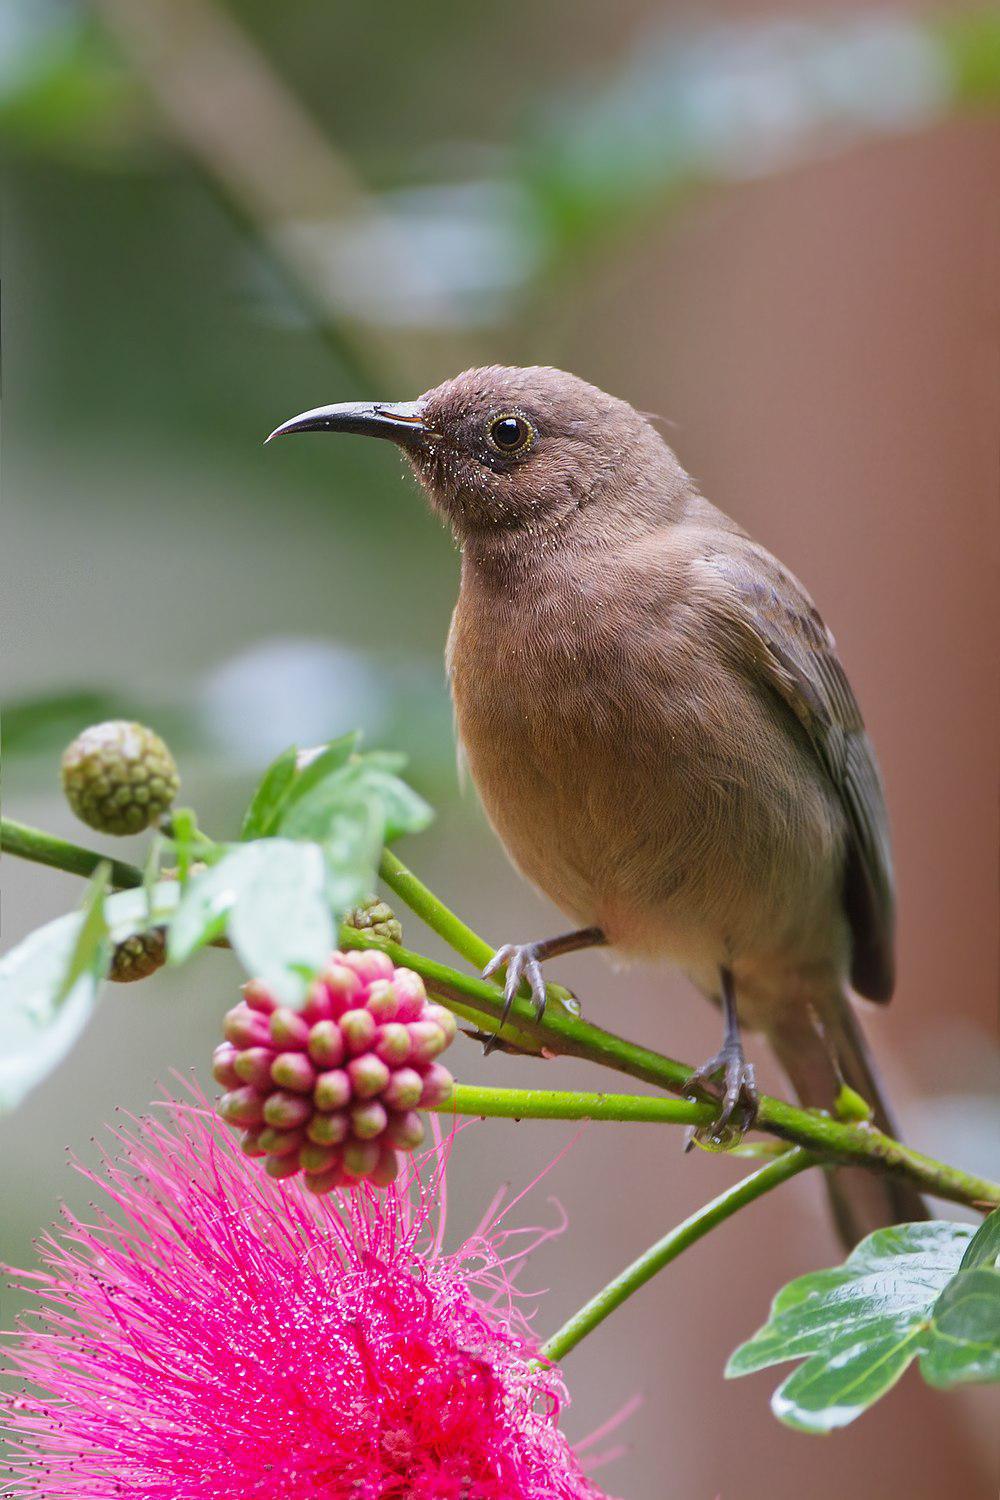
(558, 1031)
(627, 1282)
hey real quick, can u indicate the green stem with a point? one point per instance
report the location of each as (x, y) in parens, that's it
(856, 1144)
(558, 1031)
(627, 1282)
(439, 918)
(45, 849)
(563, 1104)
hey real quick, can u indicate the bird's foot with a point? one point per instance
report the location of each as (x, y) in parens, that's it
(522, 962)
(737, 1097)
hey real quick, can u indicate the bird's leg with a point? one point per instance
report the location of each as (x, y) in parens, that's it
(524, 961)
(739, 1087)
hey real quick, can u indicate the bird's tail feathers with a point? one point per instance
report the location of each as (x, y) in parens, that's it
(821, 1049)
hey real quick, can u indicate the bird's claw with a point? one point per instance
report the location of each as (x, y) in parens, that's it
(738, 1096)
(522, 963)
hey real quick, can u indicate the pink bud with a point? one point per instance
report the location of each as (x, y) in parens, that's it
(293, 1070)
(443, 1017)
(358, 1030)
(319, 1158)
(244, 1027)
(368, 1074)
(405, 1131)
(370, 964)
(288, 1029)
(250, 1143)
(392, 1043)
(438, 1085)
(426, 1041)
(326, 1045)
(280, 1142)
(404, 1089)
(242, 1106)
(343, 986)
(286, 1111)
(410, 993)
(223, 1070)
(360, 1158)
(258, 997)
(281, 1166)
(386, 1167)
(329, 1130)
(253, 1065)
(324, 1182)
(382, 1000)
(332, 1090)
(368, 1120)
(317, 1006)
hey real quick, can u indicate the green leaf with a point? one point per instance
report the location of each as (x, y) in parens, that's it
(91, 951)
(963, 1342)
(351, 851)
(261, 815)
(858, 1325)
(318, 766)
(984, 1247)
(344, 790)
(40, 1017)
(282, 927)
(271, 897)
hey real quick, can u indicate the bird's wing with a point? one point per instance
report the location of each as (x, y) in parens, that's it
(777, 622)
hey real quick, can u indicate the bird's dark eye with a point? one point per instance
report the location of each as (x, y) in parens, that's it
(510, 433)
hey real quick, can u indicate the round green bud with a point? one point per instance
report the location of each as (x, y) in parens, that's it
(376, 917)
(119, 777)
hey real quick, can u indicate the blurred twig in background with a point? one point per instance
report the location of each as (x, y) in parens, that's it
(260, 153)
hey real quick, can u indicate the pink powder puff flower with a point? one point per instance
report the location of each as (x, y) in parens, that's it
(212, 1333)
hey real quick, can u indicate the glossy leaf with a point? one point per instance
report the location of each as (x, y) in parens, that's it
(963, 1342)
(984, 1247)
(858, 1326)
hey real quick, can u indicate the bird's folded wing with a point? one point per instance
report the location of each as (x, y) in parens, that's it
(779, 630)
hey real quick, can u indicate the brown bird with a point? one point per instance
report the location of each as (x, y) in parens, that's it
(659, 728)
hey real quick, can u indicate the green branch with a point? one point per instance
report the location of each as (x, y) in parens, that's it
(627, 1282)
(855, 1144)
(559, 1032)
(570, 1104)
(59, 854)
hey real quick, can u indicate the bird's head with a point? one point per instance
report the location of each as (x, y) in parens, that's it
(508, 454)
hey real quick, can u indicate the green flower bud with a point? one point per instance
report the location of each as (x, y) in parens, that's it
(119, 777)
(376, 917)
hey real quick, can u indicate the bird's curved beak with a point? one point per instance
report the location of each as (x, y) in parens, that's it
(400, 421)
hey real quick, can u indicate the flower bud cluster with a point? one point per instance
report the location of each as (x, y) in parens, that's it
(119, 777)
(333, 1090)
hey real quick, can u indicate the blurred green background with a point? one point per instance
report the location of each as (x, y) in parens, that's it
(774, 226)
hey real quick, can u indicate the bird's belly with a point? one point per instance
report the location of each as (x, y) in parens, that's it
(675, 840)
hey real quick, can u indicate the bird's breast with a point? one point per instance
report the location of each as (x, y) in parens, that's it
(630, 775)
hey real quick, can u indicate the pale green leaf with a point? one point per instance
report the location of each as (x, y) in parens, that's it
(40, 1018)
(262, 814)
